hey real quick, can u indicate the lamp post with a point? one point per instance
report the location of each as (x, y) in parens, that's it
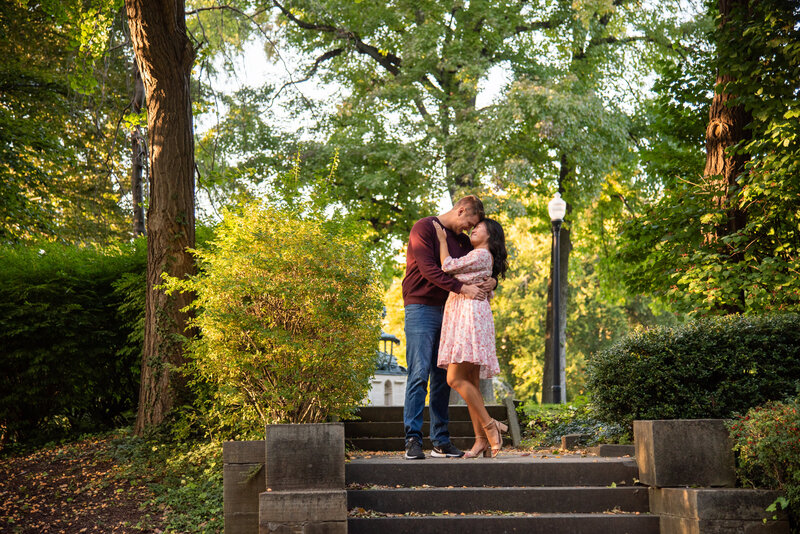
(557, 208)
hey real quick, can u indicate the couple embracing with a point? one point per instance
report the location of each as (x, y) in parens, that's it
(449, 327)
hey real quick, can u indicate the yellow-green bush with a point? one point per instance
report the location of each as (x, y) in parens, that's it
(287, 316)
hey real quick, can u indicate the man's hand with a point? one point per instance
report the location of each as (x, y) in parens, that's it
(473, 292)
(488, 285)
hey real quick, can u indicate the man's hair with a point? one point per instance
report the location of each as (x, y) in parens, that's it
(472, 204)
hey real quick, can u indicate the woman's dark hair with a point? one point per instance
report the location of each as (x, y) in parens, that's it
(497, 247)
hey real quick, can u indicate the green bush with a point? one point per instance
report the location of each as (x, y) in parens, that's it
(710, 368)
(288, 311)
(767, 446)
(70, 354)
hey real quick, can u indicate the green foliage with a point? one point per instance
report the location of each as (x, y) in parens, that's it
(288, 310)
(768, 451)
(709, 368)
(184, 478)
(546, 423)
(666, 248)
(69, 327)
(60, 149)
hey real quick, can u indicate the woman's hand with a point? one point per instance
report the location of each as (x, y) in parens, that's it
(440, 233)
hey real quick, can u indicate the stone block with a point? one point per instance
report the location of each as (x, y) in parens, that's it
(716, 511)
(684, 452)
(241, 522)
(513, 421)
(243, 452)
(242, 484)
(613, 450)
(303, 512)
(308, 456)
(243, 479)
(571, 441)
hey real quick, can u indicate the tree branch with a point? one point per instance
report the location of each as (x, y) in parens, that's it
(388, 61)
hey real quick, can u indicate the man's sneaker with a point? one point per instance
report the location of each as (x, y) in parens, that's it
(448, 450)
(414, 450)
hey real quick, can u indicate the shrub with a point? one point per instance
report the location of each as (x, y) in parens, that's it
(767, 446)
(288, 314)
(70, 358)
(710, 368)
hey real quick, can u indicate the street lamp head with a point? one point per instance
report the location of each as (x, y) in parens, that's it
(557, 208)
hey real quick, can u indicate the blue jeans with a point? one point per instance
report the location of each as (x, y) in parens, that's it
(423, 327)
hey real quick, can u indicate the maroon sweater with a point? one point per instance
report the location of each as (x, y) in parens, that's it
(425, 282)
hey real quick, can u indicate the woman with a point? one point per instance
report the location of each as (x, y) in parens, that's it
(466, 346)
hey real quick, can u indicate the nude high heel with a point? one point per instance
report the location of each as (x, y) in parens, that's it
(481, 446)
(494, 433)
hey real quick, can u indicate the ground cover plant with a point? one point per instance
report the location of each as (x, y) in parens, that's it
(544, 424)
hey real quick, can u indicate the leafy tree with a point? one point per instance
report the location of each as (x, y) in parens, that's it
(165, 55)
(713, 245)
(60, 101)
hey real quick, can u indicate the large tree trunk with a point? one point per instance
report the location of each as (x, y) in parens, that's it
(726, 128)
(138, 154)
(164, 55)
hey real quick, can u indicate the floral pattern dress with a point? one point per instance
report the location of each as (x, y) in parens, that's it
(468, 326)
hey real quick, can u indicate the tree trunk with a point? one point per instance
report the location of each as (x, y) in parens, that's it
(164, 56)
(726, 128)
(138, 153)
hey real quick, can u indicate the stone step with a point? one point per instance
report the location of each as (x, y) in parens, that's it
(507, 470)
(506, 524)
(527, 500)
(398, 444)
(395, 413)
(395, 429)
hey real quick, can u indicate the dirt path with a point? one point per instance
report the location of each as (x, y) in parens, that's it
(71, 488)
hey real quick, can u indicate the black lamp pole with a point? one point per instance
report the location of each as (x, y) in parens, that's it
(556, 313)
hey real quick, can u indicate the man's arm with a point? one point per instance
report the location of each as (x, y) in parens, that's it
(421, 243)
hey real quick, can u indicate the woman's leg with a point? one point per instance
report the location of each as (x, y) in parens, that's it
(463, 377)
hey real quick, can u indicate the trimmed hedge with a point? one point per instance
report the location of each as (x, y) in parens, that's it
(70, 332)
(710, 368)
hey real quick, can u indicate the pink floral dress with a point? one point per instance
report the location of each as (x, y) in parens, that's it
(468, 326)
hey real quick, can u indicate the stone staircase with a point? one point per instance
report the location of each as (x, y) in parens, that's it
(512, 493)
(380, 428)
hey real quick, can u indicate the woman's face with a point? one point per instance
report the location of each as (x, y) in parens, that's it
(479, 236)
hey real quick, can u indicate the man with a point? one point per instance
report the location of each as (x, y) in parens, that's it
(425, 291)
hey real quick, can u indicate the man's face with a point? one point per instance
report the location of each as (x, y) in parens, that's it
(466, 221)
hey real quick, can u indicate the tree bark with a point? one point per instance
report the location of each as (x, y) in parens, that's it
(726, 129)
(138, 153)
(164, 56)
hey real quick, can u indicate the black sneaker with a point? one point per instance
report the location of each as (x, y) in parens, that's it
(414, 450)
(448, 450)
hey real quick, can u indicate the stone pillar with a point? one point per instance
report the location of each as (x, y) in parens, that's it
(716, 511)
(305, 490)
(684, 452)
(243, 479)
